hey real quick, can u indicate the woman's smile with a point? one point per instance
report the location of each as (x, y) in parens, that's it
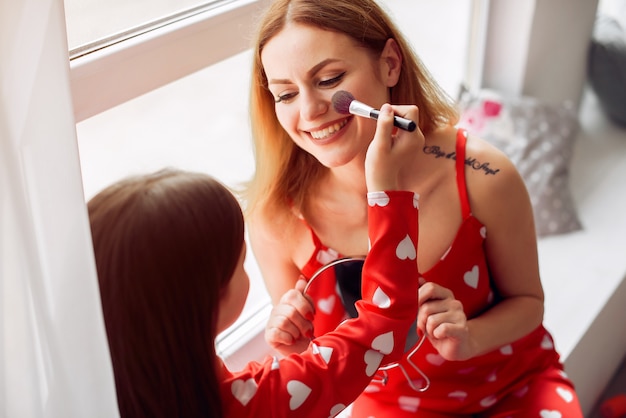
(328, 131)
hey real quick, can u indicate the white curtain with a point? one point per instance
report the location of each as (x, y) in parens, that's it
(54, 360)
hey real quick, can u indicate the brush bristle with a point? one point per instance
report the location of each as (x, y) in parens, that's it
(341, 101)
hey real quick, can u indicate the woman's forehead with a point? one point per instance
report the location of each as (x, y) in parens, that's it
(304, 48)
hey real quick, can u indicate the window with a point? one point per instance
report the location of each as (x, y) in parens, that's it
(199, 123)
(176, 95)
(96, 24)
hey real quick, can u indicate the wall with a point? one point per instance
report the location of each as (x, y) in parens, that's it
(545, 42)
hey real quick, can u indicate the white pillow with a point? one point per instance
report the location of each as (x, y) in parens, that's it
(538, 138)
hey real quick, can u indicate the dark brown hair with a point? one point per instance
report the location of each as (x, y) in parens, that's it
(166, 245)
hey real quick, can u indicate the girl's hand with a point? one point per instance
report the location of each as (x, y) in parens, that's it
(392, 150)
(289, 329)
(440, 316)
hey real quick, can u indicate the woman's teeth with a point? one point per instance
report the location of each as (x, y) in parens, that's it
(329, 130)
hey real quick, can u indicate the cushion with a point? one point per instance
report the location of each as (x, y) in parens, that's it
(607, 67)
(538, 137)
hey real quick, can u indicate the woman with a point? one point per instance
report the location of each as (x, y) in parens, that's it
(170, 250)
(481, 307)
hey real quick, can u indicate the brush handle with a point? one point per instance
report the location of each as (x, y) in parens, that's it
(361, 109)
(402, 123)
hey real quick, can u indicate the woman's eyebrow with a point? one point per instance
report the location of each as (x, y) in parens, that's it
(309, 73)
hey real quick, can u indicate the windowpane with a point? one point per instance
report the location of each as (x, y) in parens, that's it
(99, 21)
(439, 32)
(197, 123)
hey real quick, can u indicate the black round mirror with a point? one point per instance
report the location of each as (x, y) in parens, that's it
(346, 275)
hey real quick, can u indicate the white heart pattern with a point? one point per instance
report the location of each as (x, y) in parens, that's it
(299, 392)
(275, 363)
(567, 395)
(372, 360)
(378, 199)
(446, 253)
(243, 391)
(471, 277)
(458, 395)
(324, 352)
(419, 383)
(483, 232)
(406, 249)
(383, 343)
(326, 256)
(408, 403)
(416, 200)
(507, 350)
(488, 401)
(371, 388)
(550, 414)
(381, 299)
(326, 305)
(336, 409)
(435, 359)
(547, 343)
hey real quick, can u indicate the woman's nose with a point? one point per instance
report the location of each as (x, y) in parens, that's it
(313, 105)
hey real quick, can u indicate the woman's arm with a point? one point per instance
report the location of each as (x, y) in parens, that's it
(289, 328)
(273, 252)
(502, 204)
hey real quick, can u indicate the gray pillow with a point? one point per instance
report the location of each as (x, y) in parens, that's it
(538, 138)
(606, 67)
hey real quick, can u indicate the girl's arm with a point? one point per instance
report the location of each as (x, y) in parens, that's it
(337, 366)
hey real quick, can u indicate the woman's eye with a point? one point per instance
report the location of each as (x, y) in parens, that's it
(332, 82)
(285, 98)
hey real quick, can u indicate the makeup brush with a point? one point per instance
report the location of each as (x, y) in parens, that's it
(345, 103)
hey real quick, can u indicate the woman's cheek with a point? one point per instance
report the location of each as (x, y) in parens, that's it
(282, 116)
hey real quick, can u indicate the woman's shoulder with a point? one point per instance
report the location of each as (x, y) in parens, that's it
(486, 162)
(492, 180)
(287, 238)
(268, 227)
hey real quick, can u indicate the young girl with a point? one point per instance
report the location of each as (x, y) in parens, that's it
(169, 251)
(481, 307)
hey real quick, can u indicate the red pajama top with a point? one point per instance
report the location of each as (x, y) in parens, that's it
(455, 386)
(337, 366)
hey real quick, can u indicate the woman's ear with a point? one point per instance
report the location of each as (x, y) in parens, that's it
(391, 63)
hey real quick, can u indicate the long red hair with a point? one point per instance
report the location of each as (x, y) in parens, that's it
(285, 173)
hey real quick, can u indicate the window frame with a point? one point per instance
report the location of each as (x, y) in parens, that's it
(122, 71)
